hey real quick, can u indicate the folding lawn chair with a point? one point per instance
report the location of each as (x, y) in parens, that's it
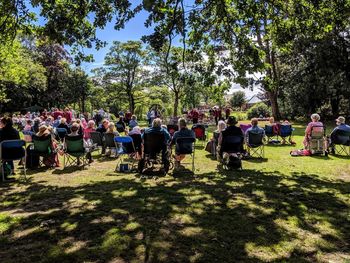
(11, 150)
(186, 145)
(74, 150)
(97, 140)
(232, 145)
(317, 140)
(137, 140)
(152, 150)
(341, 142)
(109, 142)
(172, 129)
(255, 144)
(125, 146)
(270, 133)
(245, 127)
(42, 147)
(200, 132)
(286, 131)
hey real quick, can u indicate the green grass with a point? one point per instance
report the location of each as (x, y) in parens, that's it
(284, 209)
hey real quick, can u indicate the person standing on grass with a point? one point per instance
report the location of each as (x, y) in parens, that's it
(227, 112)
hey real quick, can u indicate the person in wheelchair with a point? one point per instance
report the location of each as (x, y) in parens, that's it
(183, 132)
(230, 132)
(333, 137)
(157, 129)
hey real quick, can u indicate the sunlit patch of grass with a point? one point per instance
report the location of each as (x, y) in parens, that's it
(114, 242)
(68, 226)
(7, 222)
(132, 226)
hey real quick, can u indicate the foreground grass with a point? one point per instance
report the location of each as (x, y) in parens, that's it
(294, 209)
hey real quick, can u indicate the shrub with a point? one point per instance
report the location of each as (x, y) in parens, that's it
(240, 116)
(259, 109)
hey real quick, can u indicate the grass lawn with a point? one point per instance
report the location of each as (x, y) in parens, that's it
(284, 209)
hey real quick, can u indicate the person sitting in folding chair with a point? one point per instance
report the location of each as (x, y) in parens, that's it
(75, 134)
(157, 129)
(339, 135)
(315, 122)
(183, 132)
(231, 130)
(7, 132)
(254, 137)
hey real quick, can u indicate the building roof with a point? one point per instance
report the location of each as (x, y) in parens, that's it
(254, 99)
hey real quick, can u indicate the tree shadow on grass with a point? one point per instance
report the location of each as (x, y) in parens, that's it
(246, 215)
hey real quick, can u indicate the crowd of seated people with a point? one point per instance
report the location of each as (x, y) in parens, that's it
(44, 124)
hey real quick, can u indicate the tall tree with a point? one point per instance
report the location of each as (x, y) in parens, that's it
(126, 69)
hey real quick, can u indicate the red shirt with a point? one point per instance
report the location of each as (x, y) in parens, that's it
(68, 116)
(55, 114)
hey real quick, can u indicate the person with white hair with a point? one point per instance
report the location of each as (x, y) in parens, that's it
(315, 122)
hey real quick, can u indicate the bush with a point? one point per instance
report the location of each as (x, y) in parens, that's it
(240, 116)
(259, 109)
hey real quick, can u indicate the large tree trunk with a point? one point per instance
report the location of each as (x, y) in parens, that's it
(274, 105)
(83, 100)
(176, 103)
(131, 103)
(335, 107)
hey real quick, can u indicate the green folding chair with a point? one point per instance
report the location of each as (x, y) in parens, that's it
(74, 151)
(42, 147)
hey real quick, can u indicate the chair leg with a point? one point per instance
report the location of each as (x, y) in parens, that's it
(2, 171)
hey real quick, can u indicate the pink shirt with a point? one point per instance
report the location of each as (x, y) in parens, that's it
(313, 124)
(87, 133)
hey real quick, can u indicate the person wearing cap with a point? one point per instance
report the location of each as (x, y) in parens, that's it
(341, 126)
(231, 130)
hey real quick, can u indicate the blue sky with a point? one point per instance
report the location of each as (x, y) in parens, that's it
(133, 30)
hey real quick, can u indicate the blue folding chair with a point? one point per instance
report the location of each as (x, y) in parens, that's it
(125, 146)
(270, 133)
(186, 145)
(11, 150)
(286, 131)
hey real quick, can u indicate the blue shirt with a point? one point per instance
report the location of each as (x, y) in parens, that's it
(255, 129)
(133, 123)
(342, 127)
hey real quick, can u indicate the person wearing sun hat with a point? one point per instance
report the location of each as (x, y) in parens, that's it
(341, 126)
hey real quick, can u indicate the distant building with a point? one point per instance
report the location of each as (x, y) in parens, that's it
(252, 101)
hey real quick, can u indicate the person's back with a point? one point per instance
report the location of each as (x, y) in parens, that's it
(343, 127)
(9, 133)
(255, 127)
(232, 131)
(159, 130)
(183, 132)
(63, 125)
